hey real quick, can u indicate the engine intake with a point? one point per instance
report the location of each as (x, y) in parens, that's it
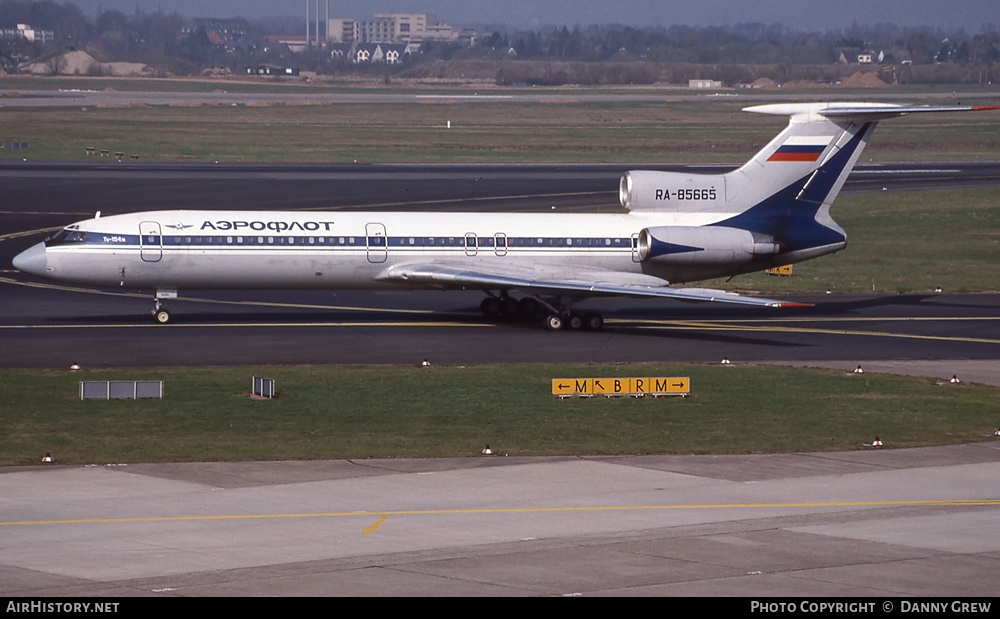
(670, 191)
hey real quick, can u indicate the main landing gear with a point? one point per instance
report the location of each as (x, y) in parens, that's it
(556, 315)
(574, 322)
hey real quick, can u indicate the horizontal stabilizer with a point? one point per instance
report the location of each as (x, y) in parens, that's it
(857, 112)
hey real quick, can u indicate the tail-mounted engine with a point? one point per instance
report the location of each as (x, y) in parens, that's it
(705, 245)
(649, 190)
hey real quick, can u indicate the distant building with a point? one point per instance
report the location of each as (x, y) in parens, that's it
(704, 84)
(343, 31)
(341, 50)
(847, 55)
(270, 69)
(27, 33)
(295, 43)
(411, 29)
(227, 33)
(388, 53)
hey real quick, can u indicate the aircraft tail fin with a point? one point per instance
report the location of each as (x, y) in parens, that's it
(783, 194)
(814, 154)
(817, 150)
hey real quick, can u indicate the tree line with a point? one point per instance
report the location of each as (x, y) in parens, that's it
(171, 44)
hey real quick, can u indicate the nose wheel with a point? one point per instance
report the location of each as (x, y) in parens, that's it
(160, 314)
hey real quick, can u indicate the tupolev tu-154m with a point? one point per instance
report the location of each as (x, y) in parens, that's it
(678, 227)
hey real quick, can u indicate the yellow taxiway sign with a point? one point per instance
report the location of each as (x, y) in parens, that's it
(621, 386)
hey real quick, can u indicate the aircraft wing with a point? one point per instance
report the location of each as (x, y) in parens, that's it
(560, 281)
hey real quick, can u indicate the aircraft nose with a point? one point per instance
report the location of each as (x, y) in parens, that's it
(31, 260)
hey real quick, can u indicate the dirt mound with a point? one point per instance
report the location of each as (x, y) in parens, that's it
(863, 80)
(78, 62)
(764, 82)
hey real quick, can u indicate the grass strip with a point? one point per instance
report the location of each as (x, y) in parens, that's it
(564, 131)
(906, 242)
(452, 411)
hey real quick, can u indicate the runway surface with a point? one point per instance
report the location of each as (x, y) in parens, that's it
(52, 325)
(886, 525)
(55, 327)
(26, 97)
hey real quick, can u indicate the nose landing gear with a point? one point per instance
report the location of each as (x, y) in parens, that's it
(160, 314)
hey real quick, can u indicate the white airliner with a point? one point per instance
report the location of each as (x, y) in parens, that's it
(679, 227)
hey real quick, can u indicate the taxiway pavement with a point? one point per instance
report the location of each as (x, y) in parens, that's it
(882, 524)
(49, 325)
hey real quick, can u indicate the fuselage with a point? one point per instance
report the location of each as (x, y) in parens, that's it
(344, 250)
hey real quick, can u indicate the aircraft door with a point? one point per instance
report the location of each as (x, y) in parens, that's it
(500, 244)
(377, 242)
(150, 241)
(471, 247)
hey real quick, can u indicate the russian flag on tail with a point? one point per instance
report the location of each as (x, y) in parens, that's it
(801, 148)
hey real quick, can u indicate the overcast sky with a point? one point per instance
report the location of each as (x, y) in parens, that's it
(799, 14)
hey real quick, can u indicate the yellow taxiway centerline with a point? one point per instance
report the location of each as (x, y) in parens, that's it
(775, 325)
(384, 515)
(714, 326)
(135, 295)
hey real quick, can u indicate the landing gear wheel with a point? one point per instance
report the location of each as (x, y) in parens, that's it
(593, 322)
(529, 307)
(574, 322)
(554, 322)
(509, 306)
(162, 316)
(490, 307)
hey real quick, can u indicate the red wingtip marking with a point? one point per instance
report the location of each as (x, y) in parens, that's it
(980, 108)
(791, 304)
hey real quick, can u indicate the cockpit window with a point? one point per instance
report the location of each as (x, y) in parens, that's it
(70, 236)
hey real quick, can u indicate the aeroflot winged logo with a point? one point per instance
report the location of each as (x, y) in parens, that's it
(178, 226)
(801, 148)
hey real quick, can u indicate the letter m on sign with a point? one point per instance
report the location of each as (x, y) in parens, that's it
(581, 386)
